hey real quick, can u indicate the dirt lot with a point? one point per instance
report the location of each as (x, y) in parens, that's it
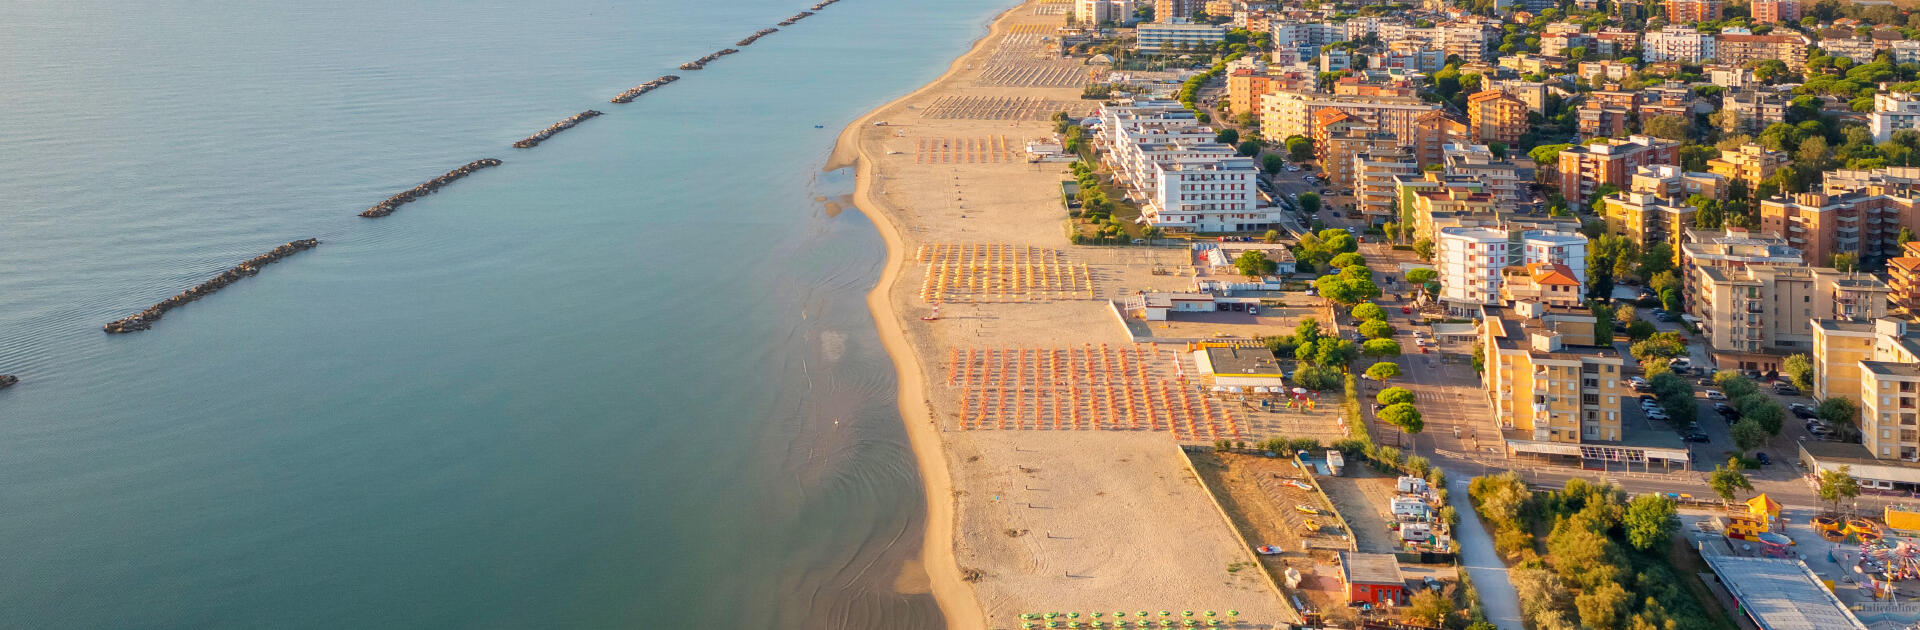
(1262, 507)
(1364, 498)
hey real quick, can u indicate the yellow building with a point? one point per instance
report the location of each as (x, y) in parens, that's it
(1751, 163)
(1872, 363)
(1753, 317)
(1647, 219)
(1496, 116)
(1548, 283)
(1546, 380)
(1245, 87)
(1903, 276)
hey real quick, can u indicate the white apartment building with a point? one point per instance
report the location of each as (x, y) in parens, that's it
(1678, 43)
(1209, 195)
(1387, 29)
(1290, 113)
(1136, 162)
(1376, 178)
(1893, 111)
(1470, 259)
(1103, 11)
(1177, 34)
(1306, 38)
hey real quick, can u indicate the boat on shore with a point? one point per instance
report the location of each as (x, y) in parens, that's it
(390, 204)
(629, 95)
(564, 124)
(145, 319)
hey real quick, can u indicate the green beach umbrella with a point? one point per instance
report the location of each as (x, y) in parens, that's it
(1052, 615)
(1098, 624)
(1143, 613)
(1233, 613)
(1210, 613)
(1095, 614)
(1165, 613)
(1029, 625)
(1073, 615)
(1186, 613)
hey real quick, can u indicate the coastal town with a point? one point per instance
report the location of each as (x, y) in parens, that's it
(1441, 314)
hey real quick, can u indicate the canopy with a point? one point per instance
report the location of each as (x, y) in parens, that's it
(1762, 505)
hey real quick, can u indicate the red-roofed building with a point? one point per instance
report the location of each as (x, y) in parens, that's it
(1903, 277)
(1552, 284)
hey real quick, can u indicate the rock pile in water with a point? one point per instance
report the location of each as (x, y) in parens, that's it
(390, 204)
(796, 17)
(703, 61)
(823, 4)
(8, 380)
(565, 124)
(629, 95)
(751, 38)
(145, 319)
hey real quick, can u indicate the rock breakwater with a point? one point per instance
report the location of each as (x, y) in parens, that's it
(629, 95)
(8, 380)
(756, 36)
(145, 319)
(703, 61)
(393, 203)
(796, 17)
(565, 124)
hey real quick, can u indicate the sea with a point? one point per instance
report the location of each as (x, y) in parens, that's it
(627, 379)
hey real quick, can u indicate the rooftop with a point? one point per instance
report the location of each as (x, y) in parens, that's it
(1782, 594)
(1370, 568)
(1238, 360)
(1889, 368)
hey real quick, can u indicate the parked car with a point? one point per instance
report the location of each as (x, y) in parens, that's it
(1697, 436)
(1785, 389)
(1802, 410)
(1714, 394)
(1657, 415)
(1764, 458)
(1635, 380)
(1648, 398)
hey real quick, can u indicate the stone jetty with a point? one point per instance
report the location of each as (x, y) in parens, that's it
(823, 4)
(565, 124)
(390, 204)
(629, 95)
(756, 36)
(796, 17)
(703, 61)
(145, 319)
(8, 380)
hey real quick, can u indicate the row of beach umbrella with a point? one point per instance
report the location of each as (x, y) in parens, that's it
(1144, 619)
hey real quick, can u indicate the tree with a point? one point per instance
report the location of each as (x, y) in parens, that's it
(1727, 479)
(1670, 300)
(1603, 607)
(1333, 353)
(1430, 607)
(1376, 329)
(1768, 415)
(1403, 416)
(1227, 137)
(1663, 281)
(1369, 311)
(1799, 369)
(1249, 148)
(1381, 347)
(1839, 412)
(1316, 378)
(1271, 164)
(1842, 261)
(1422, 276)
(1657, 259)
(1272, 236)
(1667, 126)
(1424, 249)
(1253, 263)
(1309, 202)
(1906, 235)
(1299, 149)
(1384, 370)
(1349, 259)
(1747, 435)
(1650, 522)
(1393, 396)
(1838, 485)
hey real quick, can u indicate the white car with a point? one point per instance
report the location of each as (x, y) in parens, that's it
(1713, 394)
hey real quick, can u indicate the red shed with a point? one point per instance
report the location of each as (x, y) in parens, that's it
(1373, 578)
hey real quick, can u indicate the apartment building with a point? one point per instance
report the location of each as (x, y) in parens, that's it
(1104, 11)
(1306, 38)
(1666, 180)
(1172, 10)
(1646, 219)
(1863, 224)
(1176, 35)
(1533, 93)
(1903, 181)
(1789, 47)
(1690, 11)
(1433, 131)
(1495, 116)
(1892, 111)
(1776, 11)
(1245, 87)
(1751, 163)
(1336, 143)
(1547, 381)
(1497, 176)
(1374, 180)
(1606, 113)
(1678, 43)
(1757, 315)
(1876, 363)
(1289, 113)
(1612, 70)
(1757, 109)
(1470, 259)
(1583, 169)
(1732, 250)
(1903, 276)
(1209, 195)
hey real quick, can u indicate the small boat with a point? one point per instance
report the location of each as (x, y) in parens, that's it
(1298, 484)
(1293, 577)
(819, 126)
(1307, 509)
(1267, 550)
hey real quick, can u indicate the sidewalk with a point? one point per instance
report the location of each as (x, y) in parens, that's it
(1482, 562)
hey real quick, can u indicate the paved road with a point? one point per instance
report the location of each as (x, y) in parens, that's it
(1497, 595)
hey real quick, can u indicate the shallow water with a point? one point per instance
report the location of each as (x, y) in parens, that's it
(628, 378)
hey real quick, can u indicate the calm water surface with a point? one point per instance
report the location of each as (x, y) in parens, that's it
(627, 379)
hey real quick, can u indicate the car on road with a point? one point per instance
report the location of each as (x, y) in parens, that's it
(1657, 415)
(1636, 380)
(1714, 394)
(1697, 436)
(1785, 389)
(1336, 214)
(1764, 458)
(1802, 411)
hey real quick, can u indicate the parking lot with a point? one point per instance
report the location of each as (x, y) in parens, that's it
(1781, 451)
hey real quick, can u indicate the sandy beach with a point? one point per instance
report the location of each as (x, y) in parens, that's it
(1097, 515)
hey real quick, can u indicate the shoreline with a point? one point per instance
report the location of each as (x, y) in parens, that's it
(959, 604)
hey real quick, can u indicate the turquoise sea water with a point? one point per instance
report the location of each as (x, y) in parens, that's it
(625, 380)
